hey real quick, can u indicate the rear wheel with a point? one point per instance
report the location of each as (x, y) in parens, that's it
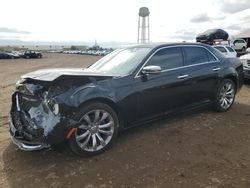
(225, 95)
(97, 131)
(27, 57)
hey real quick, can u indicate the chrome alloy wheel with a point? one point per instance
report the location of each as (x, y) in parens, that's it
(96, 130)
(226, 96)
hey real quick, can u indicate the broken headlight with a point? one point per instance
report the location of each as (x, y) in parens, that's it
(50, 103)
(54, 106)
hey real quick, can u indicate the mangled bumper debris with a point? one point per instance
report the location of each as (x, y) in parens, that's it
(43, 107)
(33, 124)
(34, 120)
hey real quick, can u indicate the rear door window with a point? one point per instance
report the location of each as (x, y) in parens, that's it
(211, 57)
(195, 55)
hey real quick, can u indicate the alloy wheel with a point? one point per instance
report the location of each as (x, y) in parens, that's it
(96, 130)
(226, 96)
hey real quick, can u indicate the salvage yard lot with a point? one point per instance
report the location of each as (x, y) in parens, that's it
(199, 149)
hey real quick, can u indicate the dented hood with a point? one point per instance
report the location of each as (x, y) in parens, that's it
(52, 74)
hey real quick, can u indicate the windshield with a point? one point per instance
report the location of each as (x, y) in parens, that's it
(121, 61)
(209, 31)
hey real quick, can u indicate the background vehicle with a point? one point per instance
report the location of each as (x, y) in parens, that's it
(226, 50)
(210, 35)
(248, 50)
(17, 53)
(32, 54)
(245, 59)
(239, 45)
(130, 86)
(7, 55)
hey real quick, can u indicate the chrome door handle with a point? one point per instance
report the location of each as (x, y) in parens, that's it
(216, 69)
(183, 76)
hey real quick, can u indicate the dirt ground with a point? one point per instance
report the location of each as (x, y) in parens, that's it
(199, 149)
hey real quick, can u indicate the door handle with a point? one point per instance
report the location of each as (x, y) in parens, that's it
(216, 69)
(183, 76)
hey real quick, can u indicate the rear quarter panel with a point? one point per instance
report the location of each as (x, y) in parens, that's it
(234, 68)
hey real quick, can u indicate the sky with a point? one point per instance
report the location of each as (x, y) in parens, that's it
(116, 20)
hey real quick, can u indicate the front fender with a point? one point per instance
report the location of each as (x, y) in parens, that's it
(77, 96)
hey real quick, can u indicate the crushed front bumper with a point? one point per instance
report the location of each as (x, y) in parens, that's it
(25, 133)
(21, 142)
(33, 126)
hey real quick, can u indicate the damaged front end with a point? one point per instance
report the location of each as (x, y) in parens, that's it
(35, 120)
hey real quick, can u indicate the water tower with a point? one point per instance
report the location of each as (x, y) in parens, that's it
(143, 25)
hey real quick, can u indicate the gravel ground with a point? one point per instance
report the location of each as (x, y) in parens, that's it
(198, 149)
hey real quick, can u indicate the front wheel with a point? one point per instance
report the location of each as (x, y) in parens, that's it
(225, 95)
(97, 130)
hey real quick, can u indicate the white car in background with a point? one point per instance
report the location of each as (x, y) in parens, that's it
(245, 59)
(226, 50)
(239, 45)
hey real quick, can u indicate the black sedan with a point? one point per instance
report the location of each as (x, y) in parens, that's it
(211, 35)
(130, 86)
(8, 55)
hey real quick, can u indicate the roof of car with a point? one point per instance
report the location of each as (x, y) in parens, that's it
(156, 45)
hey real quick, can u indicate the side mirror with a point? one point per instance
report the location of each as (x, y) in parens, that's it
(151, 70)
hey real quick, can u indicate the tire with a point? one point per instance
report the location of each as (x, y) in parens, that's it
(27, 57)
(98, 130)
(243, 49)
(225, 95)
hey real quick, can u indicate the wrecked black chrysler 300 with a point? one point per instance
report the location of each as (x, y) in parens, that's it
(88, 107)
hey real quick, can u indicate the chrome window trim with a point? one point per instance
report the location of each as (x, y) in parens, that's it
(166, 70)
